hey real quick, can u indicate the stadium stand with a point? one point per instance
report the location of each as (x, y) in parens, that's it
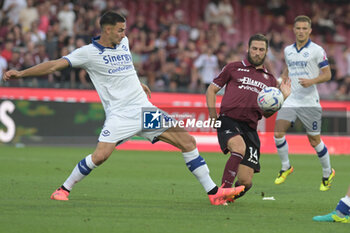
(172, 34)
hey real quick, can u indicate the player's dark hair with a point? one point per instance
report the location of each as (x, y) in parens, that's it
(302, 18)
(258, 37)
(111, 18)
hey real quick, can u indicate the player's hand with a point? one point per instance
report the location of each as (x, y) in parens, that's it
(304, 82)
(213, 120)
(285, 87)
(11, 74)
(146, 90)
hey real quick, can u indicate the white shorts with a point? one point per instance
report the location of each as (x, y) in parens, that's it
(120, 127)
(311, 117)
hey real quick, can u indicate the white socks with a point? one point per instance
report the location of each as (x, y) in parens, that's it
(323, 156)
(282, 149)
(196, 164)
(82, 169)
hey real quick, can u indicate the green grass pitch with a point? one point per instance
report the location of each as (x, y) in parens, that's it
(154, 192)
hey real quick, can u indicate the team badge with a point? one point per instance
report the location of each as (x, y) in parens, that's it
(124, 48)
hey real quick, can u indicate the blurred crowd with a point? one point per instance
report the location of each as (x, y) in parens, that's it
(177, 45)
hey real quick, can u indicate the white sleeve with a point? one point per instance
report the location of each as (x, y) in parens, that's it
(78, 58)
(321, 58)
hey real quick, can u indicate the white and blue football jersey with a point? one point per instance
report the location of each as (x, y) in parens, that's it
(113, 74)
(304, 63)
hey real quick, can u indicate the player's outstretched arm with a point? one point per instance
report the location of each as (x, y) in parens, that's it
(37, 70)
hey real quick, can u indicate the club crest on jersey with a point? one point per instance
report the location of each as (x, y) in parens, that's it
(124, 48)
(306, 54)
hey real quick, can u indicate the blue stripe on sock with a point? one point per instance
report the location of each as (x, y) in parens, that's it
(83, 168)
(195, 163)
(342, 207)
(322, 152)
(281, 145)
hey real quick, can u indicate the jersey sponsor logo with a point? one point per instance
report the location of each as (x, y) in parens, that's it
(117, 59)
(297, 64)
(244, 70)
(254, 89)
(120, 69)
(297, 74)
(252, 82)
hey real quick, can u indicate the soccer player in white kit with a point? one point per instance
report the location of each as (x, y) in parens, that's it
(109, 64)
(304, 60)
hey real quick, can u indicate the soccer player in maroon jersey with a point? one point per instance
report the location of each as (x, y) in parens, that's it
(239, 111)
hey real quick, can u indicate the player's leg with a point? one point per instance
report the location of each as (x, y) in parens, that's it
(322, 152)
(181, 139)
(116, 130)
(83, 168)
(281, 127)
(341, 213)
(244, 177)
(311, 119)
(231, 140)
(250, 163)
(237, 148)
(285, 117)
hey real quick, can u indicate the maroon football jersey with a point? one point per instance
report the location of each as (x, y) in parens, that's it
(243, 84)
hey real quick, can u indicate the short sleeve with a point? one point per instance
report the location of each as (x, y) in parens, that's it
(224, 76)
(321, 58)
(78, 58)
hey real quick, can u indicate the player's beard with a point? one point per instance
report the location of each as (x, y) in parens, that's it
(254, 63)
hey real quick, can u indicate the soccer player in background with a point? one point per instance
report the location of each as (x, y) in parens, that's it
(307, 65)
(239, 111)
(341, 213)
(109, 64)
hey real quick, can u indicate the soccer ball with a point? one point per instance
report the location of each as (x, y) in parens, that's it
(270, 99)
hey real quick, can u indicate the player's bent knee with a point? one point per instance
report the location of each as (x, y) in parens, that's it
(237, 147)
(188, 143)
(314, 140)
(314, 143)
